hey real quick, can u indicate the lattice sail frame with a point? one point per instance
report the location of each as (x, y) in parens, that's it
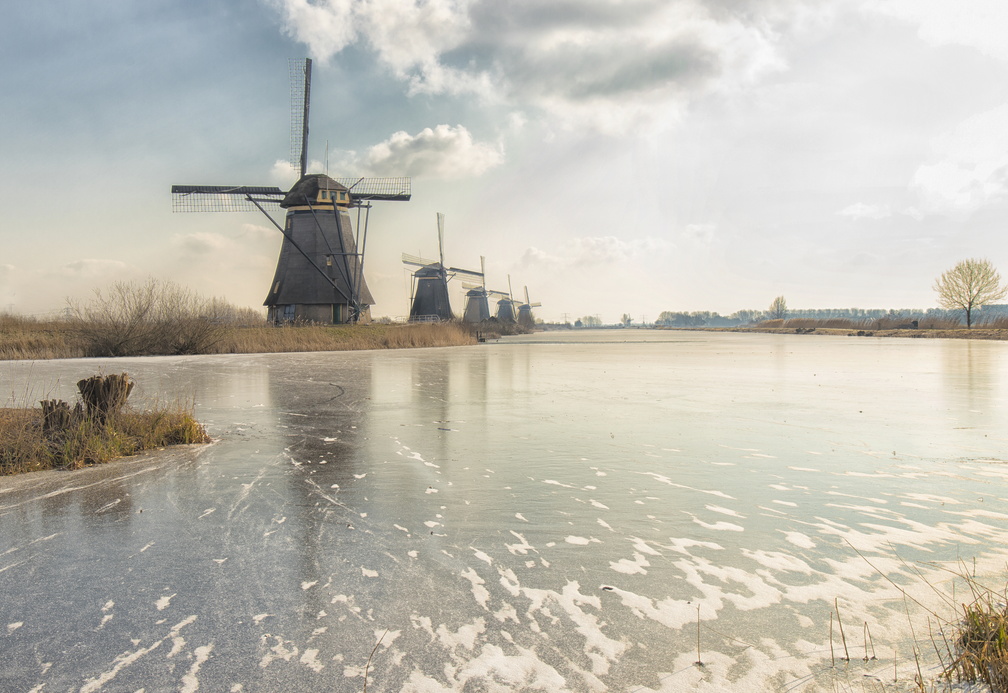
(224, 198)
(300, 92)
(235, 198)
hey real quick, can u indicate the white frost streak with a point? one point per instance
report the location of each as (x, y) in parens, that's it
(127, 658)
(480, 592)
(190, 684)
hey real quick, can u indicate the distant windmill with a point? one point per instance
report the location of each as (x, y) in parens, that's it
(477, 306)
(430, 283)
(320, 271)
(506, 306)
(525, 317)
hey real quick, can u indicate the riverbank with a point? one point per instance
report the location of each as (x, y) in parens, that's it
(36, 340)
(921, 333)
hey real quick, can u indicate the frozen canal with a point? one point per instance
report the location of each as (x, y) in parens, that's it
(551, 513)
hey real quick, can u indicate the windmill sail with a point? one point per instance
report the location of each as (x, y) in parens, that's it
(300, 80)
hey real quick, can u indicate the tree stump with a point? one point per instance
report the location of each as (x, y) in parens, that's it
(58, 416)
(104, 395)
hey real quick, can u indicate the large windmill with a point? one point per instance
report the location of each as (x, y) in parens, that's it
(430, 283)
(525, 317)
(320, 271)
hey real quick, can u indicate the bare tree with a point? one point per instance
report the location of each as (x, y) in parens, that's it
(778, 309)
(970, 284)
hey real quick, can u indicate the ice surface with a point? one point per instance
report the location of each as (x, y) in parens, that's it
(513, 516)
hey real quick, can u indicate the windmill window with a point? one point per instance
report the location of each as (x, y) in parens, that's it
(324, 194)
(342, 196)
(276, 288)
(328, 260)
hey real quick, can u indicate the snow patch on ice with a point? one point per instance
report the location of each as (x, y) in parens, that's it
(163, 602)
(724, 511)
(800, 540)
(281, 649)
(310, 660)
(480, 593)
(631, 567)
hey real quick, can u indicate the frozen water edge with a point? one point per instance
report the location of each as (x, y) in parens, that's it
(582, 516)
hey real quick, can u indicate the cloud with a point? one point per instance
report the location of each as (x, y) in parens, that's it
(969, 167)
(603, 64)
(977, 24)
(94, 269)
(594, 251)
(200, 243)
(444, 152)
(860, 210)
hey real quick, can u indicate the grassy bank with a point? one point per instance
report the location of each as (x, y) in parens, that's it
(935, 329)
(26, 445)
(28, 339)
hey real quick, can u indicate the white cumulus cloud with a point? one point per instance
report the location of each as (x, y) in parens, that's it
(444, 152)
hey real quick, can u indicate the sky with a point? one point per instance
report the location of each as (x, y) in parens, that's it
(613, 156)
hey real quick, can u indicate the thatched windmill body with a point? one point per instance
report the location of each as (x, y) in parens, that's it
(320, 271)
(429, 301)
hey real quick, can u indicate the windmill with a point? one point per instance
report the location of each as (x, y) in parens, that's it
(320, 271)
(430, 302)
(525, 317)
(477, 305)
(506, 306)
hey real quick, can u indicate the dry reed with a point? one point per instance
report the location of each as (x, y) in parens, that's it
(25, 445)
(22, 339)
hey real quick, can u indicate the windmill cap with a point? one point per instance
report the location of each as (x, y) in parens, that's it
(308, 187)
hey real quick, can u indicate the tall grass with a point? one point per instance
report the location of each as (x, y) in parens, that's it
(29, 338)
(979, 651)
(26, 446)
(341, 337)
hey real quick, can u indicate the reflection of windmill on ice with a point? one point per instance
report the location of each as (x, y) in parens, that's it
(320, 272)
(429, 302)
(525, 317)
(477, 306)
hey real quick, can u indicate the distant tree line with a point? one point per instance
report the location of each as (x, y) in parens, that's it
(705, 318)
